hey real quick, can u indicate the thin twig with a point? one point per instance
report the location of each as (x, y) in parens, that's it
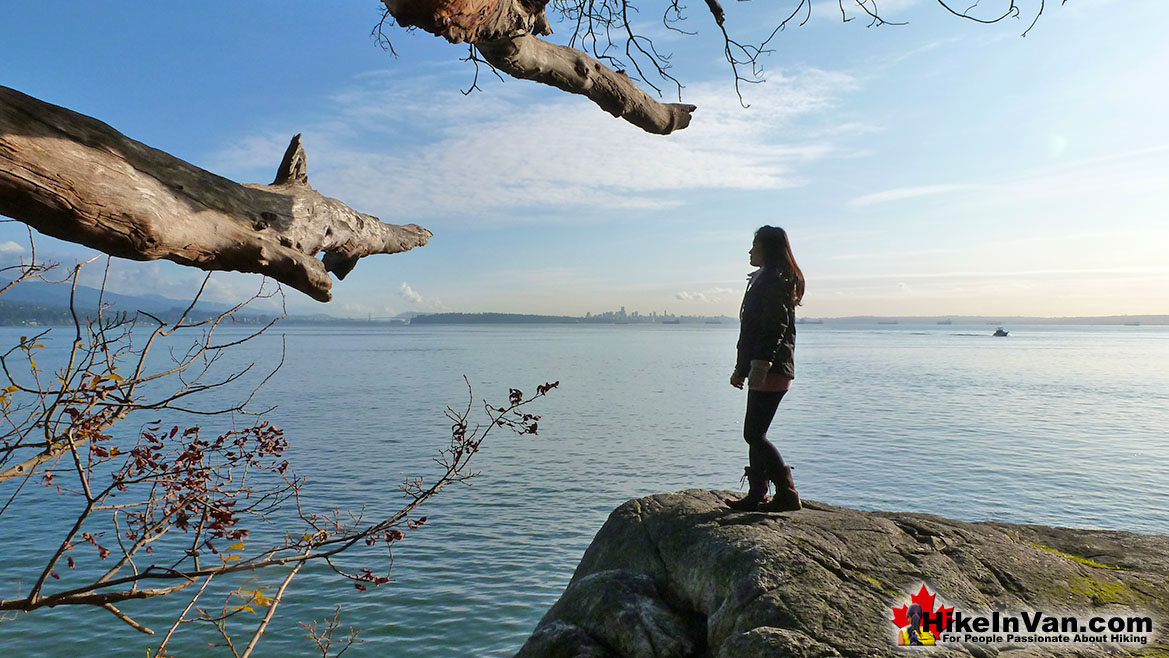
(271, 610)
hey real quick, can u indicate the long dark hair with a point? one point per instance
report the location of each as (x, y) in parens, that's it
(777, 252)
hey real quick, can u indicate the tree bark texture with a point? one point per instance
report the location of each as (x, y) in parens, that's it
(505, 33)
(531, 58)
(471, 21)
(75, 178)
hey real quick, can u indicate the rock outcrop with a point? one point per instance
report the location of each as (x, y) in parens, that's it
(681, 576)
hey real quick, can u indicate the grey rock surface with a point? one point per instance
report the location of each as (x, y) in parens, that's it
(682, 576)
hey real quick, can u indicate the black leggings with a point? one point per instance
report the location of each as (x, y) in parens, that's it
(763, 454)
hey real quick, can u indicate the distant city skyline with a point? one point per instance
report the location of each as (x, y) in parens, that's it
(39, 303)
(932, 169)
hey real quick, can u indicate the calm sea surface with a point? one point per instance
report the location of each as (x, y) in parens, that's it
(1052, 425)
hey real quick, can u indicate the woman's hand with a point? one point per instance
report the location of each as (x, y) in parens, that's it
(737, 381)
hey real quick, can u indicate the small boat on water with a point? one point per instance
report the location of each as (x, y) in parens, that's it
(1000, 332)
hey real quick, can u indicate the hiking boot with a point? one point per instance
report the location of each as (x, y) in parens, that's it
(786, 498)
(756, 492)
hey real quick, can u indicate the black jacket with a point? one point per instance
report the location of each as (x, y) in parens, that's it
(767, 323)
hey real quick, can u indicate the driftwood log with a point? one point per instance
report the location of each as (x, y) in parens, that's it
(506, 33)
(75, 178)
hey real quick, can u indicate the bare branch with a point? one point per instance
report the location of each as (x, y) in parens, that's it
(183, 615)
(133, 624)
(1011, 11)
(271, 610)
(324, 638)
(378, 34)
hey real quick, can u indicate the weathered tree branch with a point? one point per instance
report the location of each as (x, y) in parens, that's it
(506, 33)
(569, 69)
(471, 21)
(75, 178)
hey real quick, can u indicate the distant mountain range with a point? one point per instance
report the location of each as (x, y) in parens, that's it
(39, 302)
(57, 294)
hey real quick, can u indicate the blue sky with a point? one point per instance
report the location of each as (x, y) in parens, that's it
(940, 167)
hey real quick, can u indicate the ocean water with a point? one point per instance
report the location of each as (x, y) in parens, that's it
(1052, 425)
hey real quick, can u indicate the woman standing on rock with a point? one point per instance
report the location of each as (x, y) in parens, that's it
(766, 363)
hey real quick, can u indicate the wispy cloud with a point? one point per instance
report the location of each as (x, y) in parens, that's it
(1085, 273)
(1154, 153)
(903, 193)
(893, 255)
(10, 247)
(394, 147)
(1137, 168)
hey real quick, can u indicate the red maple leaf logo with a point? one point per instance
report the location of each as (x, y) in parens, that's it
(926, 600)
